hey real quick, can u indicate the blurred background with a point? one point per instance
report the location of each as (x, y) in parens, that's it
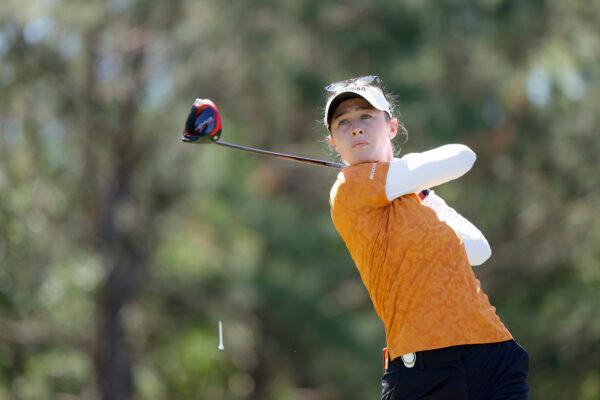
(121, 248)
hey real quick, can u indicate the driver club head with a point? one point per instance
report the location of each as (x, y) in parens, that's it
(203, 124)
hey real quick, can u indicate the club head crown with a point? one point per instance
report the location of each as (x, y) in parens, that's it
(203, 124)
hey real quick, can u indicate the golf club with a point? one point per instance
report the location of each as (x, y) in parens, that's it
(204, 125)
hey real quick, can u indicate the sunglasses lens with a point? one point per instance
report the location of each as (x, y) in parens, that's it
(334, 87)
(365, 80)
(361, 81)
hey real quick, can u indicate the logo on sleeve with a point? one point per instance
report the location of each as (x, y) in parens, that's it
(373, 168)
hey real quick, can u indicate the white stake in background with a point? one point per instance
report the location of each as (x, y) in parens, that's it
(221, 347)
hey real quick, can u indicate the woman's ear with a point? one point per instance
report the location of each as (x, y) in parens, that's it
(393, 127)
(331, 142)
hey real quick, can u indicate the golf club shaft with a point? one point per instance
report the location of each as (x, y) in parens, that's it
(282, 155)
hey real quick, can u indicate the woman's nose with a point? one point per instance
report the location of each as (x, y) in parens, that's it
(357, 131)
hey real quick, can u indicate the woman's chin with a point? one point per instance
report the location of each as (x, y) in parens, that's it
(362, 161)
(363, 156)
(367, 158)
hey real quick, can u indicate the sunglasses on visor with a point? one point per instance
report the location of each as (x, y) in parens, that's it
(367, 80)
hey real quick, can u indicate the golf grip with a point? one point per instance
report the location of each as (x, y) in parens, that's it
(282, 155)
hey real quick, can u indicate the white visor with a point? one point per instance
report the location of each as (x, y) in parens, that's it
(371, 94)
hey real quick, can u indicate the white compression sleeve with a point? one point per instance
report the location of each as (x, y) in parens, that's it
(476, 246)
(417, 171)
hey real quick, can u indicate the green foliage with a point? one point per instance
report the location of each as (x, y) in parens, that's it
(108, 221)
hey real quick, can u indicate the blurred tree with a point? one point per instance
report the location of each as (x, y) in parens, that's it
(121, 248)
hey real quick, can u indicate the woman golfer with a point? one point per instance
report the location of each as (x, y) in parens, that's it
(414, 255)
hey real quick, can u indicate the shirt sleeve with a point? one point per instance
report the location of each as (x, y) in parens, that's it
(417, 171)
(476, 246)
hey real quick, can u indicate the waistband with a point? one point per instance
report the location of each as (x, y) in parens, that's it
(427, 358)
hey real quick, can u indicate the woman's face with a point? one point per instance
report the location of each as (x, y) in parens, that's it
(361, 133)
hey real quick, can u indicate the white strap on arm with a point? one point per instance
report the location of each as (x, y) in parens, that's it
(417, 171)
(476, 246)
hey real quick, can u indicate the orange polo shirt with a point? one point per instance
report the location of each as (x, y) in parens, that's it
(413, 265)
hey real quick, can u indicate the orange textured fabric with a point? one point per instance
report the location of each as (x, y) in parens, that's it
(413, 265)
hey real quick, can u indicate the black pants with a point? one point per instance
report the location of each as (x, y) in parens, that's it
(491, 371)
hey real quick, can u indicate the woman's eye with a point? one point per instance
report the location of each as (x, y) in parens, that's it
(342, 122)
(366, 116)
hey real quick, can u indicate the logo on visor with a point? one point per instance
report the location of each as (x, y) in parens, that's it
(356, 89)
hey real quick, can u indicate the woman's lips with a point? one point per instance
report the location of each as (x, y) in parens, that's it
(359, 144)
